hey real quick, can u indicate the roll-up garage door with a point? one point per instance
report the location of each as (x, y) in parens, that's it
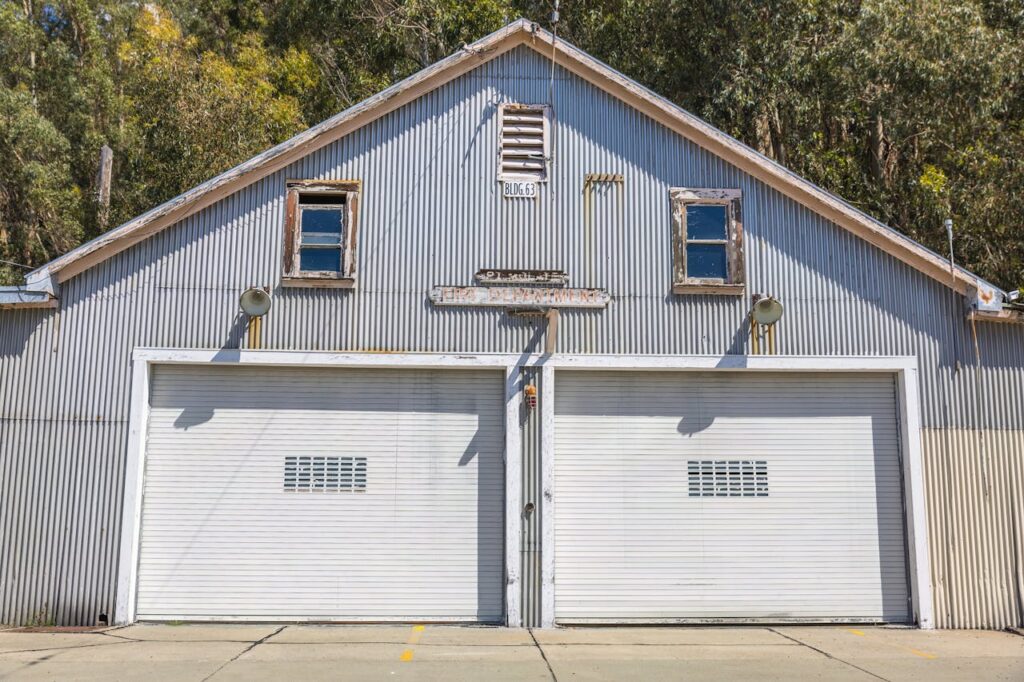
(717, 496)
(323, 494)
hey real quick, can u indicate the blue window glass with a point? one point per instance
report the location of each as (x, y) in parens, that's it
(320, 260)
(707, 221)
(320, 241)
(321, 221)
(707, 261)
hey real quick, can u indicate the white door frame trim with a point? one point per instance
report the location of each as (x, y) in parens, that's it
(903, 367)
(143, 360)
(909, 413)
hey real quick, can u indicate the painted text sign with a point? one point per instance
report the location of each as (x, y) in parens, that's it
(520, 296)
(519, 188)
(495, 276)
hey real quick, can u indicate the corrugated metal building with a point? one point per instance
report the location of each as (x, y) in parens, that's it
(403, 436)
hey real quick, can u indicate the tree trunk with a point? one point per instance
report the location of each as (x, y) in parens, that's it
(877, 143)
(778, 141)
(103, 180)
(27, 7)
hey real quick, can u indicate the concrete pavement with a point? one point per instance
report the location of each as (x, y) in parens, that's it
(433, 652)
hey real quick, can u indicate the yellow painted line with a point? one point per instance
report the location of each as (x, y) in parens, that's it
(414, 638)
(916, 652)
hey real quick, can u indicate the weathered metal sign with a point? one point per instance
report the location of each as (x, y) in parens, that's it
(986, 298)
(520, 296)
(494, 276)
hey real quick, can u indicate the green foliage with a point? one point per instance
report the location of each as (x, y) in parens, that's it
(192, 113)
(38, 199)
(912, 111)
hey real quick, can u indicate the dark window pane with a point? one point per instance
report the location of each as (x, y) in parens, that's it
(321, 220)
(705, 221)
(315, 260)
(706, 261)
(318, 198)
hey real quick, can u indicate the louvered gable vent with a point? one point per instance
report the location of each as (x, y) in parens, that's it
(523, 142)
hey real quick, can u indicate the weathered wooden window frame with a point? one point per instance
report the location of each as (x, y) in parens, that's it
(546, 144)
(730, 198)
(293, 275)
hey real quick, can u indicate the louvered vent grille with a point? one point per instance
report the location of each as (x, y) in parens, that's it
(314, 474)
(523, 142)
(728, 478)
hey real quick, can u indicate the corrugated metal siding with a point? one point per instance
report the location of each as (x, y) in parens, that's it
(433, 214)
(975, 488)
(530, 542)
(61, 490)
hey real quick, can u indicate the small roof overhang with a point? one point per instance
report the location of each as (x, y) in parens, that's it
(22, 297)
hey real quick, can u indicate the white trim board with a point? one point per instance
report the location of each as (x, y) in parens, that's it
(903, 367)
(768, 363)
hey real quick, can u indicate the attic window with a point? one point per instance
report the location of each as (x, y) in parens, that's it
(524, 142)
(320, 231)
(707, 240)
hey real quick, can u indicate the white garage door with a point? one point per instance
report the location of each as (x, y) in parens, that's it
(710, 496)
(325, 494)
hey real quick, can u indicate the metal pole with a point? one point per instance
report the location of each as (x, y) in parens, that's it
(948, 224)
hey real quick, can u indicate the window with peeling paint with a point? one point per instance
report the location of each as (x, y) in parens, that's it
(320, 233)
(707, 241)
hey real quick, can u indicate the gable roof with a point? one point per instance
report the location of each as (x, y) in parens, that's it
(520, 32)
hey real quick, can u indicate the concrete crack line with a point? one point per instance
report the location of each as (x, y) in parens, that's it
(438, 645)
(656, 644)
(189, 641)
(828, 655)
(62, 648)
(121, 637)
(245, 651)
(543, 655)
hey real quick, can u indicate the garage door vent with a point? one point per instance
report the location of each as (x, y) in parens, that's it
(315, 474)
(728, 478)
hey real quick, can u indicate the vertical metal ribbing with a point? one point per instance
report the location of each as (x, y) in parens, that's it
(975, 530)
(432, 215)
(531, 549)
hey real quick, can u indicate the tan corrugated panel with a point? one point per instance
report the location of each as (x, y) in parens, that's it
(975, 483)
